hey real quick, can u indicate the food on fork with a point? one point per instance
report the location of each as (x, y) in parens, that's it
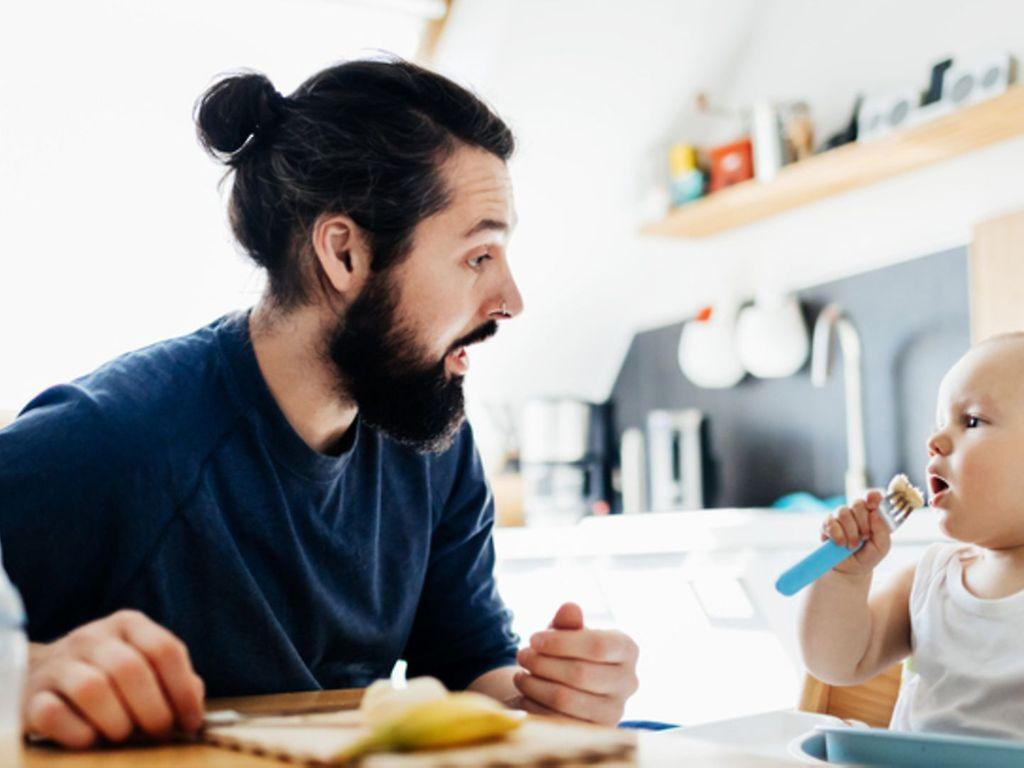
(904, 497)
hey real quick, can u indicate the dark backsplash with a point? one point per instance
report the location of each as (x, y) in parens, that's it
(770, 437)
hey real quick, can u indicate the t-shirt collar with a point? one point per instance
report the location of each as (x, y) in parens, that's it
(279, 437)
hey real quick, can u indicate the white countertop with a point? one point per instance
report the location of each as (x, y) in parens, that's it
(694, 589)
(676, 532)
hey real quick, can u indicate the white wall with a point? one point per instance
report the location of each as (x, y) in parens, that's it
(112, 231)
(596, 91)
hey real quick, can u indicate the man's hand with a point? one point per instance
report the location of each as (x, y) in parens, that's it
(108, 678)
(583, 673)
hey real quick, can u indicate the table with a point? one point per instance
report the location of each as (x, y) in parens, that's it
(654, 749)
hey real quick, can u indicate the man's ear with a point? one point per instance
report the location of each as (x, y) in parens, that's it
(340, 249)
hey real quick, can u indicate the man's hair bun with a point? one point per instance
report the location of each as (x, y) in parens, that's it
(236, 112)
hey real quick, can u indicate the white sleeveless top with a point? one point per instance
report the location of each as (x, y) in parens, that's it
(966, 674)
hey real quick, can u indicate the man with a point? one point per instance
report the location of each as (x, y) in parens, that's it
(289, 498)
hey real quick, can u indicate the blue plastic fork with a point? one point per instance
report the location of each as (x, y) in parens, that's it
(829, 555)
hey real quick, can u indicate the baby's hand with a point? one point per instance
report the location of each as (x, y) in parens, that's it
(848, 526)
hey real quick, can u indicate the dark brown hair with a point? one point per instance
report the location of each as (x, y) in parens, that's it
(363, 138)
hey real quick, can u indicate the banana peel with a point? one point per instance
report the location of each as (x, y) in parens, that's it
(426, 716)
(382, 701)
(459, 718)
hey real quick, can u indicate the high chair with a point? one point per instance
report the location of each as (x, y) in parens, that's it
(871, 702)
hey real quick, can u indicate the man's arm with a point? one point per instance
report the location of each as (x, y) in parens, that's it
(462, 629)
(463, 634)
(498, 684)
(74, 522)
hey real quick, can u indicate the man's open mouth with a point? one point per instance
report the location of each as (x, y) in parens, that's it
(458, 358)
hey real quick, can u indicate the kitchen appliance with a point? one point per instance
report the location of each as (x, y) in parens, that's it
(707, 348)
(633, 471)
(771, 337)
(676, 459)
(979, 80)
(564, 459)
(881, 114)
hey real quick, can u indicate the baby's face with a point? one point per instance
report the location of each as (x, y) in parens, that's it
(976, 472)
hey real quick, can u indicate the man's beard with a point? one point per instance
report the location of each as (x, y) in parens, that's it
(397, 389)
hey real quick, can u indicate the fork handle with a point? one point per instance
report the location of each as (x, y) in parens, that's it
(813, 567)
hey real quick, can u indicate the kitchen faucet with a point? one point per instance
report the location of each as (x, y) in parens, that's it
(832, 316)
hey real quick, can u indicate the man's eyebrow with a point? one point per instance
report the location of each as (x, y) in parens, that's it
(484, 225)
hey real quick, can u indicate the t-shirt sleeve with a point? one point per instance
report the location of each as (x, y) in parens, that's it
(932, 562)
(462, 628)
(68, 531)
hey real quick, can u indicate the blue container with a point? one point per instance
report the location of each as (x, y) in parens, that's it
(902, 749)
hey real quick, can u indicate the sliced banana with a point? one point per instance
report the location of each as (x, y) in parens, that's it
(459, 718)
(424, 715)
(383, 702)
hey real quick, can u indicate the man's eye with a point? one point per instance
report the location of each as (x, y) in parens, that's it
(477, 261)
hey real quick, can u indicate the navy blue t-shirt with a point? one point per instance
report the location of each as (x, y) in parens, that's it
(169, 481)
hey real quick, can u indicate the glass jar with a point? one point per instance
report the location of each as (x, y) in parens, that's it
(13, 669)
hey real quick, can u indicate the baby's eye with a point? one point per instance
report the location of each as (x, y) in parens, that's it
(477, 261)
(971, 422)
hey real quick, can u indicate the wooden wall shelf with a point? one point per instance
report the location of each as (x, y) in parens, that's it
(849, 167)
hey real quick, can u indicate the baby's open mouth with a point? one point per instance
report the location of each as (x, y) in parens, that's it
(937, 485)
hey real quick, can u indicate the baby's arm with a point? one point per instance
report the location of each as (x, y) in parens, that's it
(847, 639)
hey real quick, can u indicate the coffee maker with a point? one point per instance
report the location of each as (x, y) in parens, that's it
(676, 447)
(564, 460)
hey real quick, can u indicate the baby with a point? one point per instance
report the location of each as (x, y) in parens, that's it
(960, 611)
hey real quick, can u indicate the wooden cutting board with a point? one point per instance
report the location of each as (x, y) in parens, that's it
(316, 739)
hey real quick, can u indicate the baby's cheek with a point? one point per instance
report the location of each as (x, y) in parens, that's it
(990, 481)
(971, 471)
(974, 481)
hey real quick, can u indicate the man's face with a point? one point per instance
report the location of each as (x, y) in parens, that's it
(400, 350)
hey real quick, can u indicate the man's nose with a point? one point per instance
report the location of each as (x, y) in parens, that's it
(511, 299)
(514, 299)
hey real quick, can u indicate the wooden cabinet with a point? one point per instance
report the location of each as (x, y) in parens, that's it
(996, 276)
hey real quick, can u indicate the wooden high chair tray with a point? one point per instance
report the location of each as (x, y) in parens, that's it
(320, 739)
(903, 749)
